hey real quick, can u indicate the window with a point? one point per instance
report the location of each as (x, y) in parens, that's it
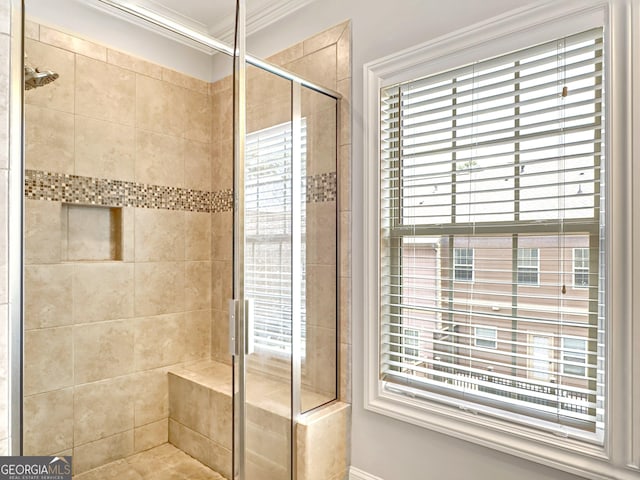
(268, 235)
(574, 356)
(486, 337)
(498, 164)
(580, 267)
(463, 264)
(459, 391)
(528, 266)
(411, 342)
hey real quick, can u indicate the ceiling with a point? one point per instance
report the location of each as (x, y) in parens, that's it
(216, 17)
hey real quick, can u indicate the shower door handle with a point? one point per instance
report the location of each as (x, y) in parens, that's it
(233, 316)
(245, 315)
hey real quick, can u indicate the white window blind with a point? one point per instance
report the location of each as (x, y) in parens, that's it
(268, 234)
(495, 172)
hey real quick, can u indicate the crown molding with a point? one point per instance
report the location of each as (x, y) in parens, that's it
(259, 19)
(187, 21)
(256, 20)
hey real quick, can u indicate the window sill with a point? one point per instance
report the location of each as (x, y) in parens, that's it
(552, 449)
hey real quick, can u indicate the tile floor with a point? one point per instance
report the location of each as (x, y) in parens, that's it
(165, 462)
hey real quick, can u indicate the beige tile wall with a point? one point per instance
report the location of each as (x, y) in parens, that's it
(221, 222)
(323, 442)
(102, 334)
(325, 59)
(119, 325)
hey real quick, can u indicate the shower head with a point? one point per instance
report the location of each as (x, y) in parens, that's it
(34, 78)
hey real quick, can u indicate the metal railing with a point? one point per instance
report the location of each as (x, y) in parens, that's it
(556, 397)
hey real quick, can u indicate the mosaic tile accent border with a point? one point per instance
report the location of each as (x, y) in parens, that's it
(322, 187)
(222, 201)
(60, 187)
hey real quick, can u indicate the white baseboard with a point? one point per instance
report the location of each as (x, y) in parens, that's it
(357, 474)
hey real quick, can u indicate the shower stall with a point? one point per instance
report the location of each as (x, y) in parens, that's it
(182, 255)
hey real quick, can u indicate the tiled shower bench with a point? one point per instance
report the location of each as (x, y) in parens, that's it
(200, 424)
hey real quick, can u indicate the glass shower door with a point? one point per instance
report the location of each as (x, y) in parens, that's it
(270, 271)
(285, 271)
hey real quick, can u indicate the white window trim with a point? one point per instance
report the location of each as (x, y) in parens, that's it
(619, 457)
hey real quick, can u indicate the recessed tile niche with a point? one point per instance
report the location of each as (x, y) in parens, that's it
(91, 233)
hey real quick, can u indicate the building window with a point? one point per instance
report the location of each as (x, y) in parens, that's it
(580, 267)
(574, 356)
(411, 342)
(475, 161)
(268, 235)
(463, 264)
(528, 266)
(486, 337)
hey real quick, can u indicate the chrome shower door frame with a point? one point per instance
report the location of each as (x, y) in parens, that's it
(240, 311)
(15, 222)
